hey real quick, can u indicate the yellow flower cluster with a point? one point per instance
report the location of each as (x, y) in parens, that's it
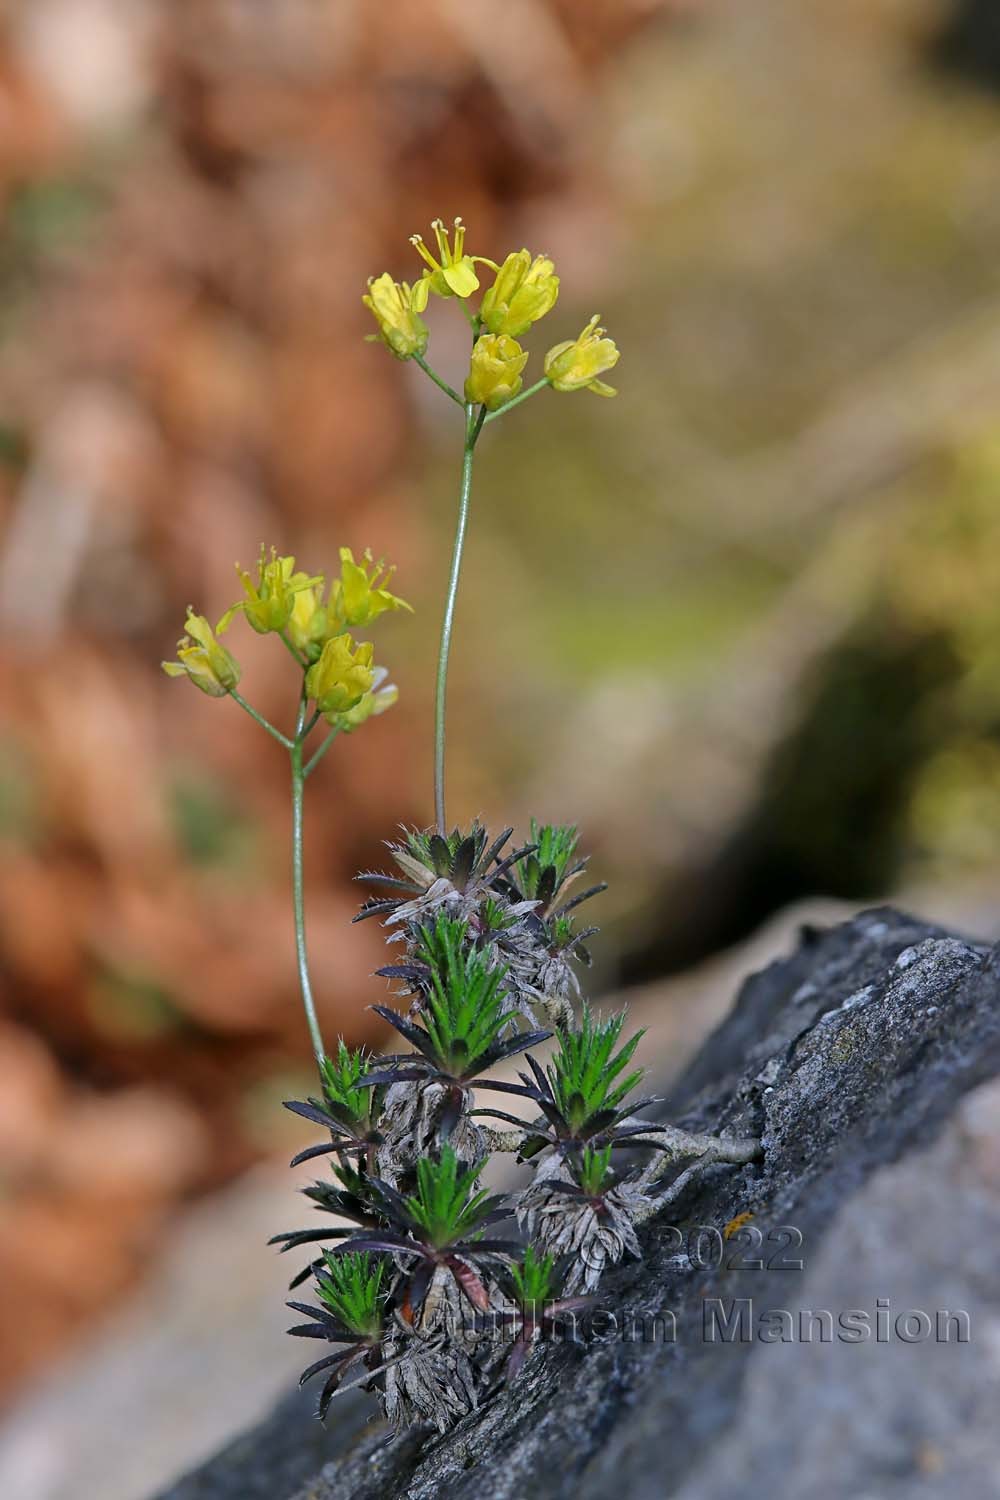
(314, 622)
(524, 289)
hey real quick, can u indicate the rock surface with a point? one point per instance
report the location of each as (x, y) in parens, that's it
(868, 1062)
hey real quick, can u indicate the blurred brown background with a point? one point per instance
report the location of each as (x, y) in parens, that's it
(743, 624)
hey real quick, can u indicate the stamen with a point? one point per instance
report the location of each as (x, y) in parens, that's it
(417, 242)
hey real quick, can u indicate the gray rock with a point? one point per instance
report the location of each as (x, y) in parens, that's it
(867, 1063)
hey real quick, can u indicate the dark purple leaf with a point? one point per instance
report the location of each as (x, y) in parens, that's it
(511, 1046)
(392, 1244)
(325, 1363)
(545, 1088)
(296, 1237)
(641, 1127)
(391, 882)
(318, 1314)
(470, 1282)
(511, 859)
(523, 1090)
(374, 909)
(462, 864)
(546, 886)
(440, 854)
(493, 851)
(571, 905)
(404, 971)
(416, 1288)
(451, 1113)
(495, 1247)
(312, 1151)
(313, 1112)
(389, 1197)
(516, 1357)
(330, 1389)
(414, 1034)
(304, 1274)
(500, 1114)
(398, 1075)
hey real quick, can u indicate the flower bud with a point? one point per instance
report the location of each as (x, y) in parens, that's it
(576, 365)
(269, 602)
(524, 291)
(359, 595)
(342, 676)
(201, 658)
(495, 372)
(396, 307)
(308, 623)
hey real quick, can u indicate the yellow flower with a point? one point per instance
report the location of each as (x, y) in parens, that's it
(208, 664)
(308, 623)
(381, 696)
(270, 601)
(524, 291)
(453, 273)
(576, 365)
(359, 595)
(396, 307)
(342, 676)
(495, 372)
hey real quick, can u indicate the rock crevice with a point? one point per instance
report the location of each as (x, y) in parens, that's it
(868, 1064)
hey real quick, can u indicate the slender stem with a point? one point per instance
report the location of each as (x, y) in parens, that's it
(275, 734)
(298, 896)
(474, 321)
(473, 427)
(441, 384)
(292, 649)
(312, 764)
(516, 400)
